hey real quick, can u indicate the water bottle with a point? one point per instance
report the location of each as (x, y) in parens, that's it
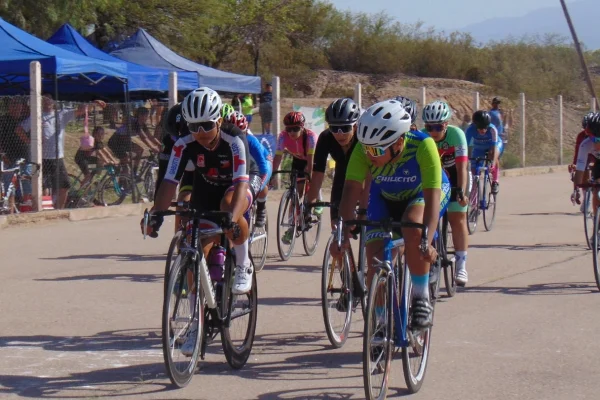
(216, 263)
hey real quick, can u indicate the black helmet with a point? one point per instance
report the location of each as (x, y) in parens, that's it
(481, 119)
(342, 112)
(593, 125)
(586, 118)
(409, 105)
(174, 123)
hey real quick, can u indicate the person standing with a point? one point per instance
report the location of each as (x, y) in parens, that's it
(266, 109)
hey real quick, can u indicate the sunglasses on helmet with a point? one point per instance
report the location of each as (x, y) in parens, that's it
(196, 127)
(340, 128)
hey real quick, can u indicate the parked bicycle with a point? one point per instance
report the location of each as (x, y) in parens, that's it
(199, 300)
(481, 198)
(11, 196)
(293, 217)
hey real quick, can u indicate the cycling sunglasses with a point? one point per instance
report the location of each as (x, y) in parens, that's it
(434, 127)
(293, 129)
(340, 128)
(376, 151)
(195, 127)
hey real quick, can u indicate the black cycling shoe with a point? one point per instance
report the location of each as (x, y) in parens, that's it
(495, 187)
(421, 313)
(261, 217)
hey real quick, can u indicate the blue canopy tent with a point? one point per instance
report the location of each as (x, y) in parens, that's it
(75, 73)
(142, 48)
(140, 78)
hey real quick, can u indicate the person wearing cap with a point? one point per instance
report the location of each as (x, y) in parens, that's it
(497, 116)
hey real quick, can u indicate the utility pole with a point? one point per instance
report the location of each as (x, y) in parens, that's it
(586, 71)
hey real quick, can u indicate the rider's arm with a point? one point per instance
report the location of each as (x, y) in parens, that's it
(462, 159)
(578, 141)
(356, 173)
(257, 153)
(585, 149)
(175, 168)
(311, 143)
(319, 166)
(431, 178)
(241, 175)
(279, 150)
(494, 146)
(163, 159)
(364, 197)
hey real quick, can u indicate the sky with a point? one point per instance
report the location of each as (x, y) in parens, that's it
(446, 14)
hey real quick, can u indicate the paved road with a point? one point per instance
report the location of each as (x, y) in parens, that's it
(81, 305)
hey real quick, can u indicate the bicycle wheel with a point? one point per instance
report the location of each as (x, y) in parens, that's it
(310, 236)
(596, 249)
(115, 189)
(178, 321)
(416, 354)
(171, 256)
(259, 242)
(473, 208)
(149, 185)
(448, 266)
(237, 333)
(336, 297)
(286, 221)
(489, 213)
(588, 217)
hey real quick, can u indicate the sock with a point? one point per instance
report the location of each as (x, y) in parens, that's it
(241, 254)
(461, 260)
(495, 172)
(420, 286)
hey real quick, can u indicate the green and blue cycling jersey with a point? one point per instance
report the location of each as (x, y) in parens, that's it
(400, 184)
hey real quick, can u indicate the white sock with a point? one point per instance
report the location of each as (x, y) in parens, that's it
(461, 260)
(241, 254)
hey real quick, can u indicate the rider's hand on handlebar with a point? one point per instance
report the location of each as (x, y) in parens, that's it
(154, 224)
(430, 255)
(338, 251)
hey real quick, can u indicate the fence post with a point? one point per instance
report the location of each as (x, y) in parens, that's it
(35, 104)
(560, 129)
(358, 95)
(475, 101)
(593, 104)
(423, 100)
(172, 88)
(523, 126)
(276, 114)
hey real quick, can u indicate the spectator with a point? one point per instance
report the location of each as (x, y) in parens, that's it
(12, 145)
(95, 157)
(121, 143)
(247, 107)
(266, 109)
(466, 121)
(53, 163)
(236, 103)
(497, 116)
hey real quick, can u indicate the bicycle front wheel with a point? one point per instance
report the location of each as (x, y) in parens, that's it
(448, 266)
(473, 208)
(238, 331)
(115, 189)
(311, 234)
(595, 248)
(489, 212)
(588, 217)
(336, 297)
(287, 224)
(180, 324)
(377, 339)
(259, 242)
(171, 256)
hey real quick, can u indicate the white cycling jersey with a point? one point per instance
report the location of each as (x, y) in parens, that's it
(585, 149)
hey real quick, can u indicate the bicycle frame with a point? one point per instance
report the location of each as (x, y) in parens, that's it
(477, 176)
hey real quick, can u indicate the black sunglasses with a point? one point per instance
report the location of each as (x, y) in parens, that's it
(338, 128)
(434, 127)
(195, 127)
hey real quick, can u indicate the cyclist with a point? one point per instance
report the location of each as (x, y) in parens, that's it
(300, 143)
(407, 184)
(590, 146)
(486, 141)
(175, 127)
(338, 141)
(225, 177)
(576, 196)
(262, 157)
(411, 107)
(452, 146)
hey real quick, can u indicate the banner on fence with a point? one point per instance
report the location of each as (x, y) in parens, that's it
(315, 117)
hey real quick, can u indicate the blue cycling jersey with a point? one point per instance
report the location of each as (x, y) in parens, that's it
(259, 154)
(496, 119)
(482, 143)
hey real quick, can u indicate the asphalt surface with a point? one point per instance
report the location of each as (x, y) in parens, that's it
(81, 313)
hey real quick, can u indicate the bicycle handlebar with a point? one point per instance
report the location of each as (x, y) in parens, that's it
(388, 225)
(224, 217)
(321, 204)
(18, 163)
(299, 174)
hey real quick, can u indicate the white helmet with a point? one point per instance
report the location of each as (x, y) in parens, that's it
(383, 123)
(437, 112)
(201, 105)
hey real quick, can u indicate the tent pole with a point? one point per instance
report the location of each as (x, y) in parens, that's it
(56, 135)
(134, 194)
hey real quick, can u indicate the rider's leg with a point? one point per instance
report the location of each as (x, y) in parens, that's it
(460, 236)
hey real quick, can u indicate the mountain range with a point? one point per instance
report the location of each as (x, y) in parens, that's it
(585, 15)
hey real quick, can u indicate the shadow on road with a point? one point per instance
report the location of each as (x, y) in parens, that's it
(549, 213)
(533, 247)
(541, 289)
(295, 268)
(116, 257)
(140, 278)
